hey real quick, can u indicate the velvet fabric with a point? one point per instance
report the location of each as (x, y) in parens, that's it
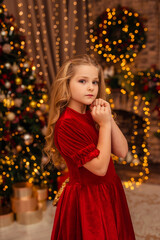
(91, 207)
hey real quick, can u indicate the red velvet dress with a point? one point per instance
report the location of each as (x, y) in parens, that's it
(91, 207)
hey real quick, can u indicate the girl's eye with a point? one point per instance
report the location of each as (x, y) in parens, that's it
(95, 82)
(82, 81)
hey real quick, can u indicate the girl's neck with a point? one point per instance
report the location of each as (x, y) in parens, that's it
(80, 109)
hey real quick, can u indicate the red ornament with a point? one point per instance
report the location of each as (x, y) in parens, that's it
(146, 87)
(7, 124)
(7, 137)
(2, 81)
(16, 120)
(4, 76)
(19, 89)
(20, 116)
(158, 88)
(0, 50)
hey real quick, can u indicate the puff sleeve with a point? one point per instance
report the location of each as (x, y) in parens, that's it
(74, 143)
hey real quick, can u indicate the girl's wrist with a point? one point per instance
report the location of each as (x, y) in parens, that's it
(112, 120)
(105, 124)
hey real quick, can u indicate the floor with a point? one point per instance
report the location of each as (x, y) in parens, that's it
(144, 205)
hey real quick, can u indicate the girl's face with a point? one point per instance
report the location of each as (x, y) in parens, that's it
(83, 86)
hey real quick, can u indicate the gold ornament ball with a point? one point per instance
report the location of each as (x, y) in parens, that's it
(2, 97)
(30, 87)
(6, 47)
(7, 84)
(26, 64)
(18, 81)
(44, 130)
(44, 107)
(3, 33)
(1, 11)
(20, 128)
(7, 65)
(44, 159)
(42, 118)
(19, 148)
(28, 139)
(45, 97)
(14, 68)
(33, 104)
(39, 113)
(16, 45)
(11, 116)
(18, 102)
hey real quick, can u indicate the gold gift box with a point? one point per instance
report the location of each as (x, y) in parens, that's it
(40, 193)
(23, 205)
(42, 205)
(22, 190)
(6, 217)
(28, 202)
(29, 217)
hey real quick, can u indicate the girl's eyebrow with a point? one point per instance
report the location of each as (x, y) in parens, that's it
(87, 77)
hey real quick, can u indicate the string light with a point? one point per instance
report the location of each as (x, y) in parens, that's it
(75, 24)
(133, 105)
(90, 26)
(66, 35)
(56, 28)
(85, 25)
(143, 174)
(28, 19)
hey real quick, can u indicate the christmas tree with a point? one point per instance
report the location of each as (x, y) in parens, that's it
(23, 115)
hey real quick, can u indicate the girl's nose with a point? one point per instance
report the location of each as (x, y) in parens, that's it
(90, 86)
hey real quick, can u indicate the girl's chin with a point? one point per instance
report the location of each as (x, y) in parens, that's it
(89, 103)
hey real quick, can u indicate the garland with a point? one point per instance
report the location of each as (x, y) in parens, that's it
(146, 83)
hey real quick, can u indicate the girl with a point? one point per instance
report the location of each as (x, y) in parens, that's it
(93, 205)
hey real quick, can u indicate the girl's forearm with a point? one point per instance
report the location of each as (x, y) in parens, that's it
(104, 145)
(119, 145)
(99, 165)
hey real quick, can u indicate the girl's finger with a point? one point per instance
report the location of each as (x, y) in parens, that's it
(101, 102)
(98, 107)
(96, 102)
(103, 108)
(105, 104)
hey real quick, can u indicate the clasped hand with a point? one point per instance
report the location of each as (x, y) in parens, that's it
(99, 101)
(101, 111)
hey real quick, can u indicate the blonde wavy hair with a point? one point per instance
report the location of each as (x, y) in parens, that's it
(59, 98)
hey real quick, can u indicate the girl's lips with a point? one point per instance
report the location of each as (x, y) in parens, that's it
(90, 95)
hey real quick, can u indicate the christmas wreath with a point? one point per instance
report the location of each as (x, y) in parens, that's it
(118, 35)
